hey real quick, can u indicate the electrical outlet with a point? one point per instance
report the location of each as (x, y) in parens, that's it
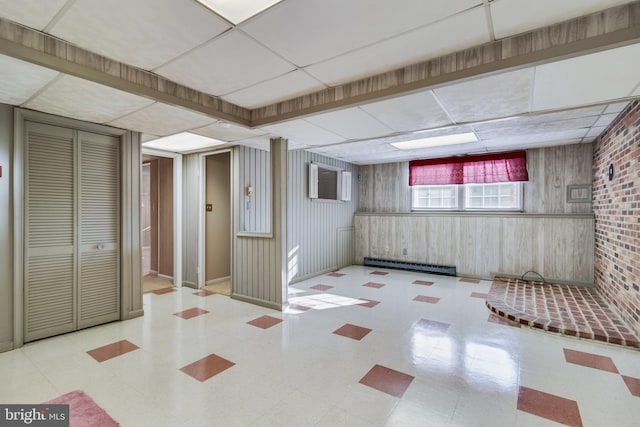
(404, 251)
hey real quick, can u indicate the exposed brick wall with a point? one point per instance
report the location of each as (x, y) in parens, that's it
(616, 205)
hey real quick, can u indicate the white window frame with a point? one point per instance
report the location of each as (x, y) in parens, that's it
(463, 195)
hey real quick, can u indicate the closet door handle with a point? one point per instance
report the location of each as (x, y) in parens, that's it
(100, 246)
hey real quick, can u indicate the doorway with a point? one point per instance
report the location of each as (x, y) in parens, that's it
(158, 223)
(217, 223)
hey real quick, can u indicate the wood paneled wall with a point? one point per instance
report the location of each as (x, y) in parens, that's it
(555, 239)
(385, 187)
(320, 233)
(559, 247)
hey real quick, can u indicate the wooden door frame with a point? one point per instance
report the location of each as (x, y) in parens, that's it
(177, 209)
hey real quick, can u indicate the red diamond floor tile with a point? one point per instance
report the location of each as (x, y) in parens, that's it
(422, 282)
(207, 367)
(203, 293)
(321, 287)
(265, 322)
(369, 303)
(633, 384)
(467, 280)
(479, 295)
(590, 360)
(387, 380)
(335, 274)
(352, 331)
(112, 350)
(373, 285)
(191, 313)
(427, 299)
(431, 326)
(164, 291)
(379, 273)
(549, 406)
(298, 307)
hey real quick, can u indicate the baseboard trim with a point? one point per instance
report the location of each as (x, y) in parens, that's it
(6, 346)
(214, 281)
(257, 301)
(134, 313)
(189, 285)
(312, 275)
(164, 277)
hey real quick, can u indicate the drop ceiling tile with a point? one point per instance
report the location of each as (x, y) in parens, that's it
(333, 27)
(519, 127)
(408, 48)
(594, 132)
(552, 119)
(500, 95)
(606, 119)
(495, 145)
(84, 100)
(32, 13)
(162, 119)
(593, 78)
(227, 131)
(616, 108)
(20, 80)
(143, 33)
(227, 64)
(286, 86)
(535, 138)
(259, 143)
(410, 112)
(512, 17)
(350, 123)
(301, 132)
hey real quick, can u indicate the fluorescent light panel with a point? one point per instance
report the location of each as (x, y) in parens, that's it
(236, 11)
(183, 142)
(436, 141)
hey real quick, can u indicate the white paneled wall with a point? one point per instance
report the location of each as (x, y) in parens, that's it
(320, 234)
(254, 209)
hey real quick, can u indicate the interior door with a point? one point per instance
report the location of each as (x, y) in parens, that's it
(99, 207)
(49, 231)
(72, 247)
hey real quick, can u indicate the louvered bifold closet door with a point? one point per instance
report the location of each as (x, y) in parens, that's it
(99, 195)
(49, 231)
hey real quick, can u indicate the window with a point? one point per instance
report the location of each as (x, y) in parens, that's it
(435, 197)
(504, 196)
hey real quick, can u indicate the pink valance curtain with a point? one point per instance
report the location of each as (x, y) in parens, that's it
(482, 169)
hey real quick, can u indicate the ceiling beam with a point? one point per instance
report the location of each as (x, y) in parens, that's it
(42, 49)
(614, 27)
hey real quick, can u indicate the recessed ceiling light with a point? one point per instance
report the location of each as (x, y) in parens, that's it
(435, 141)
(183, 143)
(236, 11)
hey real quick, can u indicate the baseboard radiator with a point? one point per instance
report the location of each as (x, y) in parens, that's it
(410, 266)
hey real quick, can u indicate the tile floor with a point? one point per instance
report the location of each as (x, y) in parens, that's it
(351, 355)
